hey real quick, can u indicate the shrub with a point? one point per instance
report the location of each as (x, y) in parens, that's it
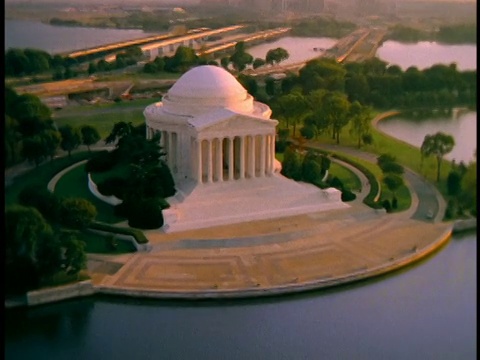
(47, 203)
(394, 203)
(112, 186)
(137, 234)
(102, 161)
(386, 205)
(336, 183)
(347, 195)
(145, 214)
(77, 213)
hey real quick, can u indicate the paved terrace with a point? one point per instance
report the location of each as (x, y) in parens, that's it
(277, 256)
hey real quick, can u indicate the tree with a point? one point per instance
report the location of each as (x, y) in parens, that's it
(12, 140)
(292, 107)
(184, 58)
(360, 117)
(469, 187)
(454, 183)
(120, 130)
(258, 62)
(240, 59)
(438, 145)
(291, 165)
(33, 149)
(393, 183)
(225, 61)
(77, 213)
(74, 258)
(51, 141)
(92, 68)
(275, 56)
(90, 135)
(387, 163)
(335, 108)
(32, 115)
(71, 138)
(357, 87)
(25, 232)
(322, 74)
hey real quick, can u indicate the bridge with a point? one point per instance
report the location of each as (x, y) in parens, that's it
(152, 42)
(247, 38)
(357, 46)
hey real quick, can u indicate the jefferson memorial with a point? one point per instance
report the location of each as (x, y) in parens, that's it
(220, 148)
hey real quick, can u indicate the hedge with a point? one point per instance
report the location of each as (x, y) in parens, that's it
(374, 193)
(137, 234)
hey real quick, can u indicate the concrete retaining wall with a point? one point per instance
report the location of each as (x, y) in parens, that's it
(130, 238)
(112, 200)
(43, 296)
(464, 225)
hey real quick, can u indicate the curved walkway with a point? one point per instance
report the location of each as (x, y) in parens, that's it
(283, 255)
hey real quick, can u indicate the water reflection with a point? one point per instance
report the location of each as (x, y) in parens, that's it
(427, 311)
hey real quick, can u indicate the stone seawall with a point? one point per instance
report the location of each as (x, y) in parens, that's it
(58, 293)
(464, 225)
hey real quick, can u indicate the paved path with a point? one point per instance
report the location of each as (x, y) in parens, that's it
(283, 255)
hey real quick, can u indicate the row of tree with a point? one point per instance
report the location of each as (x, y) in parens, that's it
(42, 238)
(30, 133)
(147, 182)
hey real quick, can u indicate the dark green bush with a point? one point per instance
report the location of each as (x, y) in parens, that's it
(394, 203)
(102, 161)
(336, 183)
(347, 195)
(47, 203)
(137, 234)
(386, 205)
(145, 214)
(112, 186)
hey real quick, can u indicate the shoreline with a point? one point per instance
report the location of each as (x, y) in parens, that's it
(89, 288)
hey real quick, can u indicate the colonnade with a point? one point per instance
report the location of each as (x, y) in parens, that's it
(233, 158)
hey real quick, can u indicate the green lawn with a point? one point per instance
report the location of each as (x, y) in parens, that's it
(103, 122)
(41, 176)
(346, 176)
(74, 184)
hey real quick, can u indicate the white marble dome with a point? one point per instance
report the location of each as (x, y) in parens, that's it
(204, 88)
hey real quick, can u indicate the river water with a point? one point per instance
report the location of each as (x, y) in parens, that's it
(54, 39)
(463, 128)
(427, 311)
(424, 54)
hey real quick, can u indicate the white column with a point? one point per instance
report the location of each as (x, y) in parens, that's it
(230, 158)
(267, 155)
(199, 161)
(272, 154)
(262, 156)
(242, 157)
(219, 159)
(170, 151)
(210, 162)
(251, 156)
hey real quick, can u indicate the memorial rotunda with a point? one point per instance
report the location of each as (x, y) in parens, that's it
(220, 148)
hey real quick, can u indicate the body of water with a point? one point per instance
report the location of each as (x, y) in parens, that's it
(299, 48)
(427, 311)
(424, 54)
(463, 128)
(55, 39)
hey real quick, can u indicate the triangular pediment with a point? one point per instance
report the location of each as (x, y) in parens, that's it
(229, 121)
